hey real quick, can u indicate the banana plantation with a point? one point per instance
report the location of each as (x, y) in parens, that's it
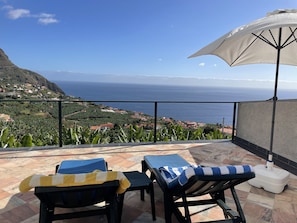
(48, 123)
(82, 135)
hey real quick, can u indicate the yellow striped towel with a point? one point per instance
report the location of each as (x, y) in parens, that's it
(68, 180)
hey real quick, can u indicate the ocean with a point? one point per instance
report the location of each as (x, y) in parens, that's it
(165, 95)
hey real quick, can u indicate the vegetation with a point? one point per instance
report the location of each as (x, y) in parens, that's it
(14, 80)
(29, 116)
(77, 135)
(36, 123)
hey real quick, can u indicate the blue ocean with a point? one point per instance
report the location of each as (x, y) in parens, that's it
(177, 102)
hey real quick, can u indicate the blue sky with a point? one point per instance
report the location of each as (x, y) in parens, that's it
(131, 39)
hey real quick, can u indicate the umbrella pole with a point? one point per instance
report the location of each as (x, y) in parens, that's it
(269, 161)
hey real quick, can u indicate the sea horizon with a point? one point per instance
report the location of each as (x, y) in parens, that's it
(203, 104)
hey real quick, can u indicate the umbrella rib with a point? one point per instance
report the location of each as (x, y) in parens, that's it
(272, 36)
(286, 43)
(261, 37)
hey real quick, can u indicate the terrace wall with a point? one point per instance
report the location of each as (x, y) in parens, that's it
(254, 126)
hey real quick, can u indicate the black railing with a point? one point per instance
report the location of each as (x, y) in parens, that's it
(103, 102)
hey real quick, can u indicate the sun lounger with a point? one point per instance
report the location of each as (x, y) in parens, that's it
(180, 181)
(71, 189)
(77, 197)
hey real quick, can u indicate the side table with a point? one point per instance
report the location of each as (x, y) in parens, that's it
(140, 181)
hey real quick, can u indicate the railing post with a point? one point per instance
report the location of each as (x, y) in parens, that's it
(155, 125)
(233, 123)
(60, 123)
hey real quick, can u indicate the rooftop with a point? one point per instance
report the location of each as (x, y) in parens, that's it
(258, 205)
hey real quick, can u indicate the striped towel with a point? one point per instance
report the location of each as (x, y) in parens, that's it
(170, 174)
(68, 180)
(213, 171)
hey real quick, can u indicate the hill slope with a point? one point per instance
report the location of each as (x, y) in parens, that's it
(10, 75)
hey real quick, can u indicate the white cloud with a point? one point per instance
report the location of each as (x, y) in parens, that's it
(18, 13)
(42, 18)
(45, 18)
(201, 64)
(46, 21)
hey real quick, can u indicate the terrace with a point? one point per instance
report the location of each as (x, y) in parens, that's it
(258, 205)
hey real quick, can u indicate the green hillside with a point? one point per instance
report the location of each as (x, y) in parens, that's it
(29, 116)
(15, 79)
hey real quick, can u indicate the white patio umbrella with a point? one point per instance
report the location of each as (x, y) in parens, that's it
(271, 40)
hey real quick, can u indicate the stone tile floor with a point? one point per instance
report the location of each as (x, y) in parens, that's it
(259, 205)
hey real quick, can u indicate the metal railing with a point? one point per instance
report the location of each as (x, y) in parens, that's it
(155, 105)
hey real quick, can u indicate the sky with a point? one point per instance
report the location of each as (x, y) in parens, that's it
(133, 40)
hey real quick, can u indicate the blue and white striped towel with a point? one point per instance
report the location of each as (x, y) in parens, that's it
(213, 171)
(171, 174)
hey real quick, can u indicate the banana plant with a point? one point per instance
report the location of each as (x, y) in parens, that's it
(27, 140)
(6, 140)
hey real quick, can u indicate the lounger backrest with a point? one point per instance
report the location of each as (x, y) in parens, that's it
(78, 196)
(212, 172)
(204, 180)
(197, 186)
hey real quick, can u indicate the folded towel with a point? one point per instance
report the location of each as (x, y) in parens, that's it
(213, 171)
(68, 180)
(171, 174)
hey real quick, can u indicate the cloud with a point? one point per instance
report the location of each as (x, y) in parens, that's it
(45, 18)
(42, 18)
(201, 65)
(46, 21)
(18, 13)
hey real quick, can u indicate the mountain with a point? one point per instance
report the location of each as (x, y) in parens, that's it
(11, 75)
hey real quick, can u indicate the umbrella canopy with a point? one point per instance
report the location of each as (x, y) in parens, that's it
(259, 41)
(269, 40)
